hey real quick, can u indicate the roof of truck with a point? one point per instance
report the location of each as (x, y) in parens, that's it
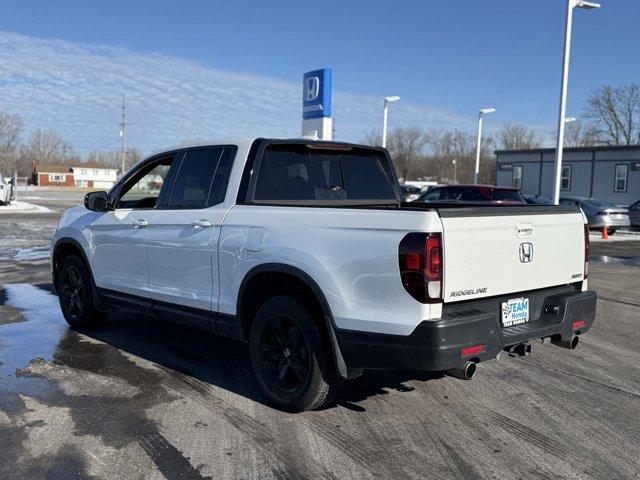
(245, 142)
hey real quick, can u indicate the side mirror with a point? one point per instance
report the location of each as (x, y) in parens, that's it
(96, 201)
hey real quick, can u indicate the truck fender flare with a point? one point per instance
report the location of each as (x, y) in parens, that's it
(317, 291)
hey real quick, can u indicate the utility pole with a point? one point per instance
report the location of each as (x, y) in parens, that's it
(122, 125)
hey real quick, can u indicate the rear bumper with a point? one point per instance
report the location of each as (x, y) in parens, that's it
(437, 345)
(607, 221)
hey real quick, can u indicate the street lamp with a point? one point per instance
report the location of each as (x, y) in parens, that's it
(571, 4)
(387, 100)
(570, 119)
(480, 114)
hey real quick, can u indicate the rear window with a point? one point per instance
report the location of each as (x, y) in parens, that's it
(296, 172)
(462, 195)
(512, 195)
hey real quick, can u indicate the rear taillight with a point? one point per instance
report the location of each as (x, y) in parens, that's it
(586, 251)
(420, 260)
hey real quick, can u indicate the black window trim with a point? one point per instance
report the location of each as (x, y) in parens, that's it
(252, 167)
(177, 165)
(626, 178)
(570, 167)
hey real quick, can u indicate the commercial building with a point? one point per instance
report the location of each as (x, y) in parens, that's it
(606, 173)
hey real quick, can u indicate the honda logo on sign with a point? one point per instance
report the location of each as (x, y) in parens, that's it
(311, 88)
(526, 252)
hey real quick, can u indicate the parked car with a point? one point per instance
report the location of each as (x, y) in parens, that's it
(409, 192)
(634, 215)
(537, 200)
(5, 192)
(600, 213)
(305, 250)
(473, 193)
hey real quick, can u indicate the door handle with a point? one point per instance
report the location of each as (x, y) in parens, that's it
(201, 224)
(140, 223)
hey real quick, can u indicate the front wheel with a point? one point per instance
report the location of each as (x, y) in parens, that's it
(75, 293)
(293, 367)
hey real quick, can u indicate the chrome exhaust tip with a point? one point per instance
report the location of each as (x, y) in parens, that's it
(570, 344)
(466, 371)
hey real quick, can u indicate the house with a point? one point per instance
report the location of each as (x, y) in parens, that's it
(53, 175)
(94, 175)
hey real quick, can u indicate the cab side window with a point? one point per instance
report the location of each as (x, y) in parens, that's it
(143, 188)
(201, 178)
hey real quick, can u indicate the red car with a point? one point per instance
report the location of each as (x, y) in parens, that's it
(474, 193)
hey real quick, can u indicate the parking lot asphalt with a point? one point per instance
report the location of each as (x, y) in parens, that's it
(144, 399)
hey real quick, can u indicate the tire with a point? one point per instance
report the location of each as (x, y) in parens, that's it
(293, 367)
(75, 293)
(612, 231)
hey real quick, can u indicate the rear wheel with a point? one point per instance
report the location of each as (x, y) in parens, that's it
(293, 367)
(75, 293)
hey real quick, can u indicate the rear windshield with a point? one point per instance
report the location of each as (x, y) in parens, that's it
(506, 195)
(462, 194)
(296, 172)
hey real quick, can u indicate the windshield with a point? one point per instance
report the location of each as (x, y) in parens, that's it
(512, 195)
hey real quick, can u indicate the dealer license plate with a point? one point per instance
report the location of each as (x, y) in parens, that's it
(515, 311)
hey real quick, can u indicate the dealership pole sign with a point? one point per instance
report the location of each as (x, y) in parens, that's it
(316, 104)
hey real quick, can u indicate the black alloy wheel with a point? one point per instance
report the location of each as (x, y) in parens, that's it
(292, 363)
(72, 292)
(284, 356)
(75, 288)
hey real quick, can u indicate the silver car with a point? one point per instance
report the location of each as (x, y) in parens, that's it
(600, 213)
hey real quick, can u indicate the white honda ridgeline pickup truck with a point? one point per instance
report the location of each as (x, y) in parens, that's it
(304, 250)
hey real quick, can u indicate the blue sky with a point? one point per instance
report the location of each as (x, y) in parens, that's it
(209, 68)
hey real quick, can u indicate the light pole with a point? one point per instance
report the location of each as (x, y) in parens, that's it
(480, 114)
(455, 170)
(387, 100)
(571, 4)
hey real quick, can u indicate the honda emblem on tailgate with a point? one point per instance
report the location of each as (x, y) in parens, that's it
(526, 252)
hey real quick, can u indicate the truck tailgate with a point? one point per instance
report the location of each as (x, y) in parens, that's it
(492, 251)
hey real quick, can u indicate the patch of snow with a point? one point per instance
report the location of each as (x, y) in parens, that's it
(24, 207)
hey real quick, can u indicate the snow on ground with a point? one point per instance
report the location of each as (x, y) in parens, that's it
(23, 207)
(26, 239)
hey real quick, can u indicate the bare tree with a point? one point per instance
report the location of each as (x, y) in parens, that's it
(615, 114)
(373, 138)
(46, 146)
(518, 137)
(579, 134)
(447, 147)
(406, 147)
(10, 129)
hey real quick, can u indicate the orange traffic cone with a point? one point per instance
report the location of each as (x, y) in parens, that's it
(605, 233)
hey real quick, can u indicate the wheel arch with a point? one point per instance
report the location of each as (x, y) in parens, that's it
(70, 246)
(295, 278)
